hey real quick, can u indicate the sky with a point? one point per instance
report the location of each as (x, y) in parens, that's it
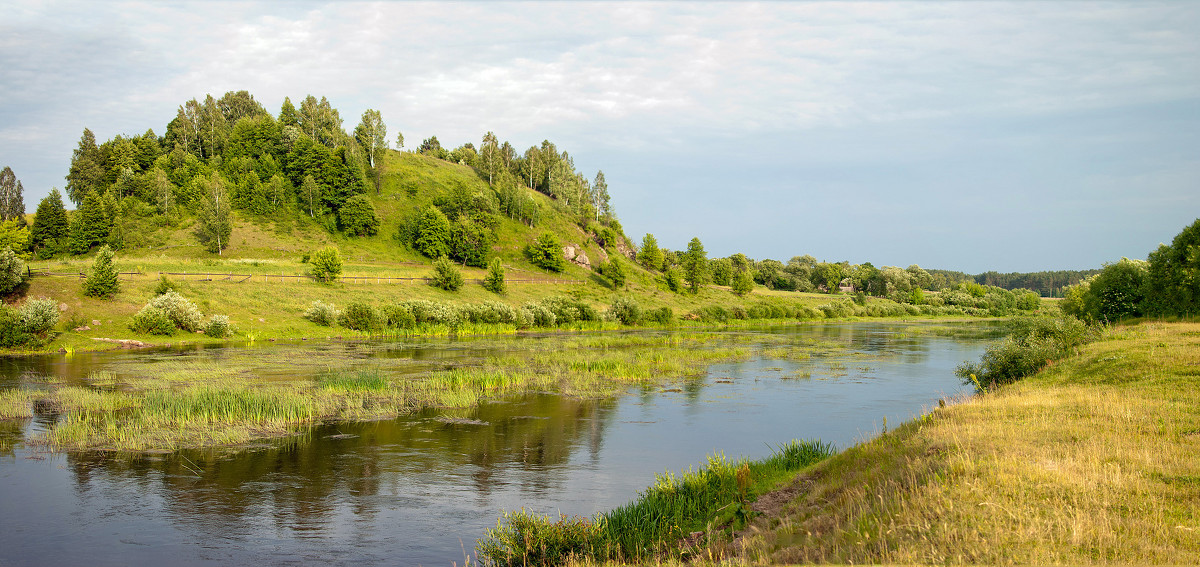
(973, 136)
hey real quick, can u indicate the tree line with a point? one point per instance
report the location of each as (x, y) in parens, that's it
(229, 153)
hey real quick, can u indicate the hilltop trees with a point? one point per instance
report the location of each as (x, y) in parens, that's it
(371, 134)
(695, 265)
(649, 254)
(12, 200)
(50, 228)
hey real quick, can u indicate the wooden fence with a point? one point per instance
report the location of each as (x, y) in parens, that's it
(281, 278)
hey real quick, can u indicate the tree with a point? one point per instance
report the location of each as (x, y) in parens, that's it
(489, 154)
(399, 140)
(87, 172)
(287, 113)
(326, 264)
(600, 197)
(357, 217)
(494, 280)
(12, 202)
(445, 275)
(471, 242)
(546, 252)
(721, 270)
(214, 222)
(12, 271)
(50, 225)
(432, 236)
(371, 134)
(90, 224)
(743, 283)
(1173, 276)
(695, 265)
(613, 270)
(102, 279)
(310, 194)
(650, 256)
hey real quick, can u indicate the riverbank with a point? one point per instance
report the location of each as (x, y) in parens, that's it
(1094, 460)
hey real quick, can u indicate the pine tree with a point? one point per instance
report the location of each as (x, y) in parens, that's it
(50, 225)
(102, 279)
(90, 225)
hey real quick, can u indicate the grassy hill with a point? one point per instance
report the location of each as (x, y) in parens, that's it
(257, 281)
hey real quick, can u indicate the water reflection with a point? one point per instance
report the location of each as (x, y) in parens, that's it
(421, 489)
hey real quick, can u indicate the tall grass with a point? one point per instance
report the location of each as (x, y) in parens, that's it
(714, 499)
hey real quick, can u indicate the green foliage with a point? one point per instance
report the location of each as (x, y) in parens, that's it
(695, 265)
(522, 539)
(446, 275)
(215, 224)
(152, 321)
(625, 309)
(11, 329)
(38, 316)
(546, 252)
(326, 264)
(218, 327)
(12, 271)
(90, 225)
(663, 315)
(649, 255)
(494, 280)
(1173, 275)
(721, 270)
(1032, 344)
(357, 217)
(321, 313)
(471, 242)
(102, 279)
(180, 310)
(743, 283)
(361, 316)
(613, 270)
(399, 317)
(432, 235)
(165, 285)
(674, 279)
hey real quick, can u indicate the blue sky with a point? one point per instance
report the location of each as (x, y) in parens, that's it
(1009, 136)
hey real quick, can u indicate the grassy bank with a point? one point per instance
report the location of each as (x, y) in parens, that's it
(1094, 460)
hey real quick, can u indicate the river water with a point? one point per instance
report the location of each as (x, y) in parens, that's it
(421, 489)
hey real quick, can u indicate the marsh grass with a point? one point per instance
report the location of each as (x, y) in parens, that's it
(14, 403)
(1092, 461)
(712, 500)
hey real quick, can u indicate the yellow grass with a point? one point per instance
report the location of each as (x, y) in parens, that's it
(1096, 460)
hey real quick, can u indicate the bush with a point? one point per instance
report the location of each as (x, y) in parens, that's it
(218, 327)
(446, 275)
(361, 317)
(614, 272)
(153, 321)
(743, 283)
(11, 333)
(1032, 345)
(164, 285)
(663, 315)
(398, 317)
(12, 271)
(626, 310)
(326, 264)
(102, 279)
(324, 314)
(494, 280)
(180, 311)
(357, 217)
(674, 280)
(540, 316)
(38, 316)
(425, 311)
(546, 252)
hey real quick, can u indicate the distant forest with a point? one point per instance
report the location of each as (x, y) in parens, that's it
(1046, 284)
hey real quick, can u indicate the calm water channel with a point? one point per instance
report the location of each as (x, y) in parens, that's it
(420, 490)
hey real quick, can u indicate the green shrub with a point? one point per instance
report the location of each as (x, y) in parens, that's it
(494, 280)
(434, 312)
(152, 320)
(102, 279)
(326, 264)
(674, 280)
(361, 317)
(546, 252)
(1032, 344)
(324, 314)
(38, 316)
(490, 312)
(12, 271)
(540, 316)
(626, 310)
(663, 315)
(182, 313)
(522, 539)
(743, 283)
(218, 327)
(567, 310)
(11, 333)
(614, 272)
(446, 275)
(164, 285)
(357, 217)
(398, 317)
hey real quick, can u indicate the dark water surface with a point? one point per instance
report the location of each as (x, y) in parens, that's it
(421, 489)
